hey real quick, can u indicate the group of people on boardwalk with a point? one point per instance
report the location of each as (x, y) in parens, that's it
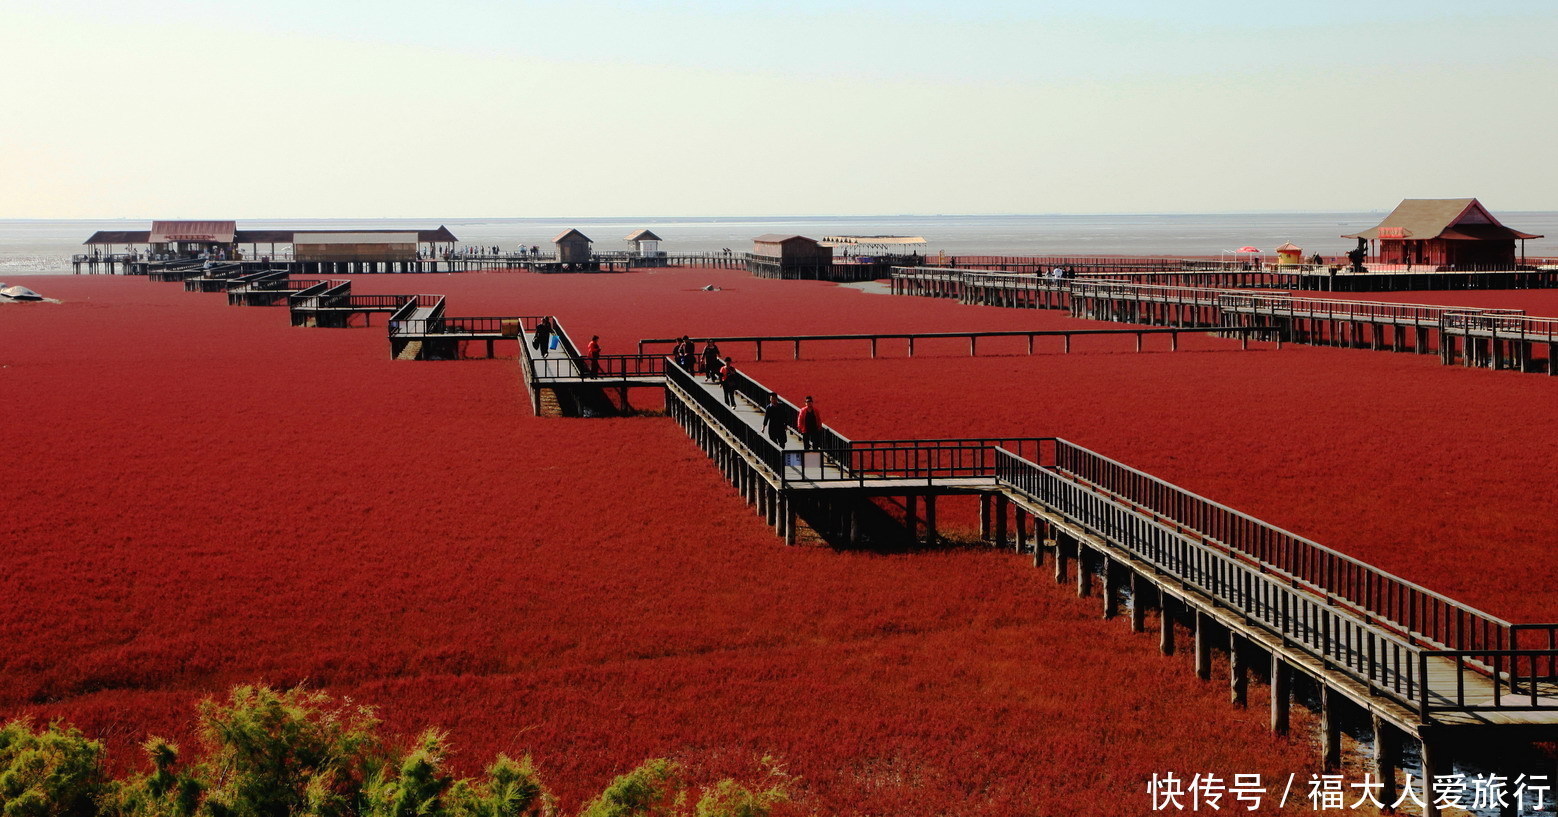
(721, 369)
(776, 421)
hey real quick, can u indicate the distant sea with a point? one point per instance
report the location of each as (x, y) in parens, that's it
(30, 247)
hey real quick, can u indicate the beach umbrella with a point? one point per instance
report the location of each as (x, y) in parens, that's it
(1249, 249)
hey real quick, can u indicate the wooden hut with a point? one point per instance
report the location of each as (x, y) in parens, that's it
(1290, 255)
(645, 243)
(789, 256)
(573, 247)
(1444, 234)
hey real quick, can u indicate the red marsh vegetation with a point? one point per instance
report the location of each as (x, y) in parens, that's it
(199, 496)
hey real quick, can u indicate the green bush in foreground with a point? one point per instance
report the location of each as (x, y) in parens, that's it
(300, 753)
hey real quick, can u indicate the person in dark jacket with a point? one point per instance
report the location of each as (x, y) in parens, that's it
(711, 362)
(543, 339)
(775, 420)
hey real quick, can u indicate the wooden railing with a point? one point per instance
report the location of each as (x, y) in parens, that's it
(1343, 309)
(1386, 663)
(1411, 610)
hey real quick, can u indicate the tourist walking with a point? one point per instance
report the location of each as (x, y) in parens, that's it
(727, 381)
(543, 338)
(809, 422)
(711, 362)
(774, 419)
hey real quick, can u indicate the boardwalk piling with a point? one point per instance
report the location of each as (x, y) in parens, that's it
(1238, 672)
(1384, 760)
(1203, 647)
(1138, 602)
(1165, 623)
(1331, 730)
(1281, 681)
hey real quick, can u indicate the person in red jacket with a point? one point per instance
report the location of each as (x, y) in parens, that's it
(592, 351)
(727, 379)
(809, 423)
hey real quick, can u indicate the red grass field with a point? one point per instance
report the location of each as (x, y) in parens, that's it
(200, 495)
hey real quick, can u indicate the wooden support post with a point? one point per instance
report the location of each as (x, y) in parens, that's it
(1238, 672)
(787, 513)
(984, 517)
(1281, 683)
(931, 534)
(1084, 574)
(1203, 647)
(1060, 560)
(1384, 759)
(1138, 602)
(911, 517)
(1330, 729)
(1002, 504)
(1109, 573)
(911, 347)
(1433, 765)
(1021, 519)
(1165, 622)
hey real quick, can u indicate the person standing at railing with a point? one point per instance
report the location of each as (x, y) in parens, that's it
(809, 422)
(727, 381)
(592, 351)
(774, 420)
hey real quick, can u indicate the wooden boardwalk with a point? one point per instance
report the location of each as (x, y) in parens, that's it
(1414, 662)
(1471, 336)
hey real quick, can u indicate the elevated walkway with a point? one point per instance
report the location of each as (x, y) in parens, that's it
(1414, 661)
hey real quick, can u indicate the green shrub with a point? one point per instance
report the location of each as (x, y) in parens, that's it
(303, 754)
(54, 772)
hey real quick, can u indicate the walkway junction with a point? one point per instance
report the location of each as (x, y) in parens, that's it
(1308, 620)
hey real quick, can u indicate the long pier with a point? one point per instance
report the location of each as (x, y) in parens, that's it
(1470, 336)
(1418, 665)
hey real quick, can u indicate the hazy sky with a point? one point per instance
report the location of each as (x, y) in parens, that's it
(276, 108)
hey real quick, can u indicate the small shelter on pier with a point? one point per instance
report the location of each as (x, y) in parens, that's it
(103, 241)
(645, 243)
(1290, 255)
(777, 255)
(354, 246)
(1444, 234)
(187, 238)
(573, 247)
(183, 239)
